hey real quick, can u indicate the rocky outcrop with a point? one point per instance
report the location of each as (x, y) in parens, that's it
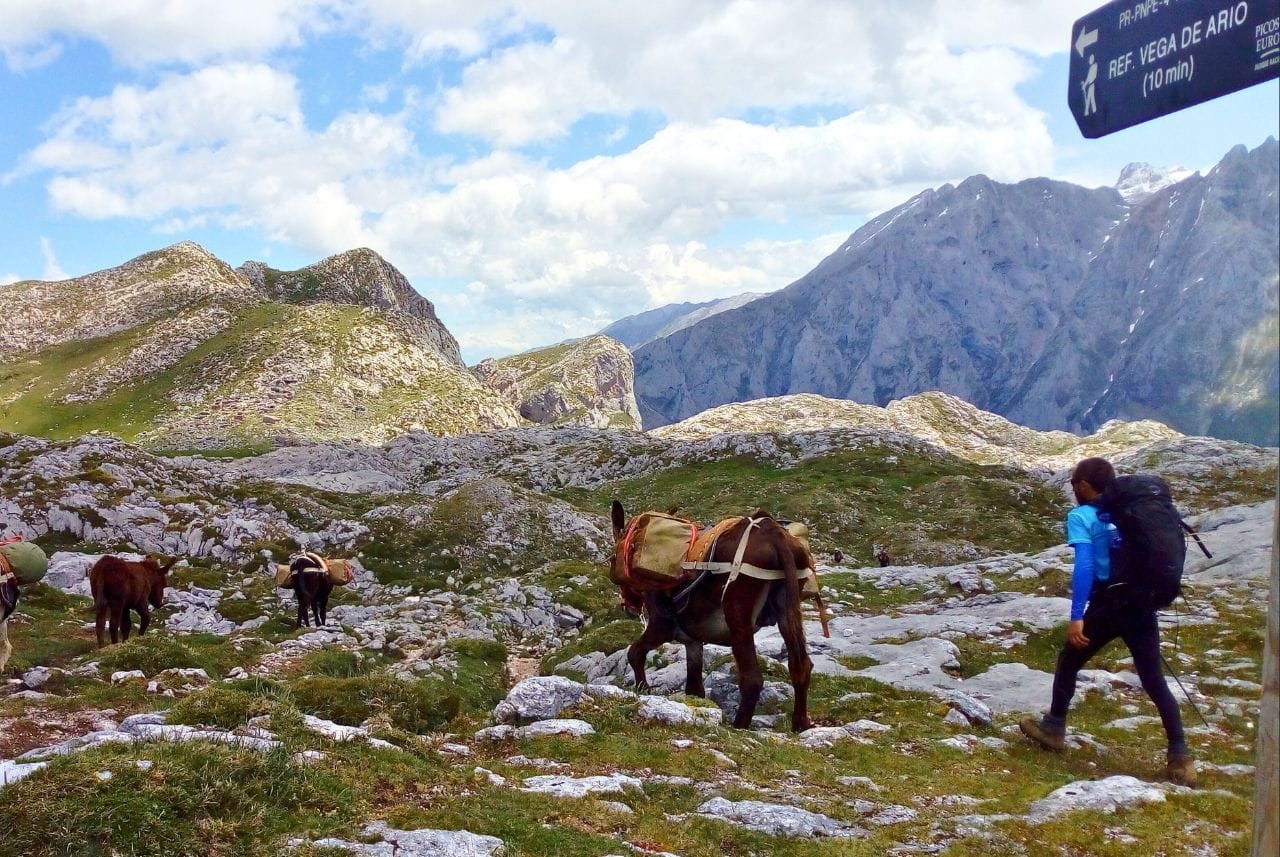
(587, 382)
(1056, 306)
(951, 423)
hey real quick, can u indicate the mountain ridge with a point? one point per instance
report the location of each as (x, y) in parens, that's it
(176, 349)
(1015, 298)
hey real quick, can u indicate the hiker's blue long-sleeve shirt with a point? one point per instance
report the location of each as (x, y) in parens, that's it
(1081, 580)
(1091, 538)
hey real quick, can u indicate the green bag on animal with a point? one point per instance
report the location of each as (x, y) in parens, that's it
(27, 561)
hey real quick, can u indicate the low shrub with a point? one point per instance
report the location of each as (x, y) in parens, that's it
(151, 653)
(419, 706)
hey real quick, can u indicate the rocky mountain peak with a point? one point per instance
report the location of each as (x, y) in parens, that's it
(362, 278)
(1140, 180)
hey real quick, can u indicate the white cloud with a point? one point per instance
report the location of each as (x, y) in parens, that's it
(531, 92)
(698, 60)
(229, 145)
(554, 251)
(140, 32)
(9, 279)
(227, 141)
(52, 270)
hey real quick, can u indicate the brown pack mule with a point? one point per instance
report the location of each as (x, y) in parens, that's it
(120, 585)
(729, 616)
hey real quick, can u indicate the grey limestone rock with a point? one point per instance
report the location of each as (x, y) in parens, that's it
(671, 713)
(1105, 795)
(538, 698)
(777, 819)
(412, 843)
(578, 787)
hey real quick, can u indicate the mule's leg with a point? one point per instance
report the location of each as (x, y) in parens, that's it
(144, 619)
(739, 615)
(657, 632)
(317, 603)
(100, 623)
(791, 627)
(128, 624)
(301, 595)
(693, 670)
(325, 589)
(117, 622)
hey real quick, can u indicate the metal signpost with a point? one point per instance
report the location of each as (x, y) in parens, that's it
(1134, 60)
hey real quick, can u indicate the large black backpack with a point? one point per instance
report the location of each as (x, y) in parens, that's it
(1148, 561)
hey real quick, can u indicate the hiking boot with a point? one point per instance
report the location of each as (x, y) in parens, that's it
(1181, 770)
(1049, 737)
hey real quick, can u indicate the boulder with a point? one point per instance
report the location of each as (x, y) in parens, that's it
(538, 698)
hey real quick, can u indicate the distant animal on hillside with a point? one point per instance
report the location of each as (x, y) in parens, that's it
(713, 610)
(120, 585)
(313, 578)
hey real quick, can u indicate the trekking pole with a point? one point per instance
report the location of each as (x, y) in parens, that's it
(1190, 701)
(1192, 530)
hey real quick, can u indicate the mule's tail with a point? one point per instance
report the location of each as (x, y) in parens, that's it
(97, 589)
(787, 558)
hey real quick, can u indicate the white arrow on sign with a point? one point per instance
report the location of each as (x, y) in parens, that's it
(1086, 38)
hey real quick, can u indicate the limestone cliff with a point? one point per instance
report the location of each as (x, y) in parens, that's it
(587, 382)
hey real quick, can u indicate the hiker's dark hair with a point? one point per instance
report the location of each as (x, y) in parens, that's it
(1098, 472)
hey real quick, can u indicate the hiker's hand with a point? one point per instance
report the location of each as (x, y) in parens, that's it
(1075, 634)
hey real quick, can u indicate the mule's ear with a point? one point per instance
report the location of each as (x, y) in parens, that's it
(671, 510)
(164, 569)
(619, 518)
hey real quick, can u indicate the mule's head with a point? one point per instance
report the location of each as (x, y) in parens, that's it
(619, 518)
(159, 579)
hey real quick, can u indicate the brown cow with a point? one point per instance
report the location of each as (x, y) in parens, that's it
(119, 586)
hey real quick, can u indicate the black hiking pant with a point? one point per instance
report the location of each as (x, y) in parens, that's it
(1107, 618)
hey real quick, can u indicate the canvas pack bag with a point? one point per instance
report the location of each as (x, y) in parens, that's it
(652, 550)
(809, 586)
(26, 560)
(339, 571)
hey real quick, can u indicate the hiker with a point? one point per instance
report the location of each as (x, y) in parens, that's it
(882, 556)
(837, 557)
(1114, 610)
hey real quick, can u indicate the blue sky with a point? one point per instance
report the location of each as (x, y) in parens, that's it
(537, 169)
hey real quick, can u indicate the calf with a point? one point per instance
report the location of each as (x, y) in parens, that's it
(311, 585)
(120, 586)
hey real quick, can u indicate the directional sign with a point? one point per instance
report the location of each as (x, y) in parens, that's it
(1134, 60)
